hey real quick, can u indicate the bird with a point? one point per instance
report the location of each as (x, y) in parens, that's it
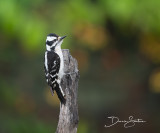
(54, 64)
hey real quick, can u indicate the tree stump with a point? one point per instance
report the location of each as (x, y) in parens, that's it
(68, 117)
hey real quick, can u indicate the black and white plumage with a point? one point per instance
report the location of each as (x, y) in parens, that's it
(54, 64)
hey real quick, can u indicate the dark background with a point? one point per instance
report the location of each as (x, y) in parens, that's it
(117, 45)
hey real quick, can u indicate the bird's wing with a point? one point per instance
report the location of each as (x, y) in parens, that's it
(53, 67)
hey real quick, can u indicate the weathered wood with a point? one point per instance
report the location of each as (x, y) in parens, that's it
(68, 117)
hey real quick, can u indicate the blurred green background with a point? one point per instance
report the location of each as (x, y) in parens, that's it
(117, 45)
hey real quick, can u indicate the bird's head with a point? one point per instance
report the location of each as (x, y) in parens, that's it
(53, 41)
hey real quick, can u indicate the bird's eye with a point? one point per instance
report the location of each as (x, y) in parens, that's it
(49, 43)
(54, 40)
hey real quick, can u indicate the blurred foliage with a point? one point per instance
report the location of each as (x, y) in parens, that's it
(25, 125)
(116, 43)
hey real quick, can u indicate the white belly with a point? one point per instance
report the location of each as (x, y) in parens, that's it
(61, 69)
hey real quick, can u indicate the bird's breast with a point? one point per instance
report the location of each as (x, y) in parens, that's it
(61, 69)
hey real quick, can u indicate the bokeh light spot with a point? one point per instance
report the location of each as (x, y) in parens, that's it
(155, 81)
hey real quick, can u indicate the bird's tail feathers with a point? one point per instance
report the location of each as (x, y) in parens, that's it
(60, 95)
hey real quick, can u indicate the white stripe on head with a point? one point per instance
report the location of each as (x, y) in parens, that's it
(50, 38)
(48, 48)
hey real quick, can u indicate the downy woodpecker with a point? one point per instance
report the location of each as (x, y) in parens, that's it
(54, 64)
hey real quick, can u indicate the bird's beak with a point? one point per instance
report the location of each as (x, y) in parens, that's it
(61, 38)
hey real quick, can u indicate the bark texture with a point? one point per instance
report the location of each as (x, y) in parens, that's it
(68, 117)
